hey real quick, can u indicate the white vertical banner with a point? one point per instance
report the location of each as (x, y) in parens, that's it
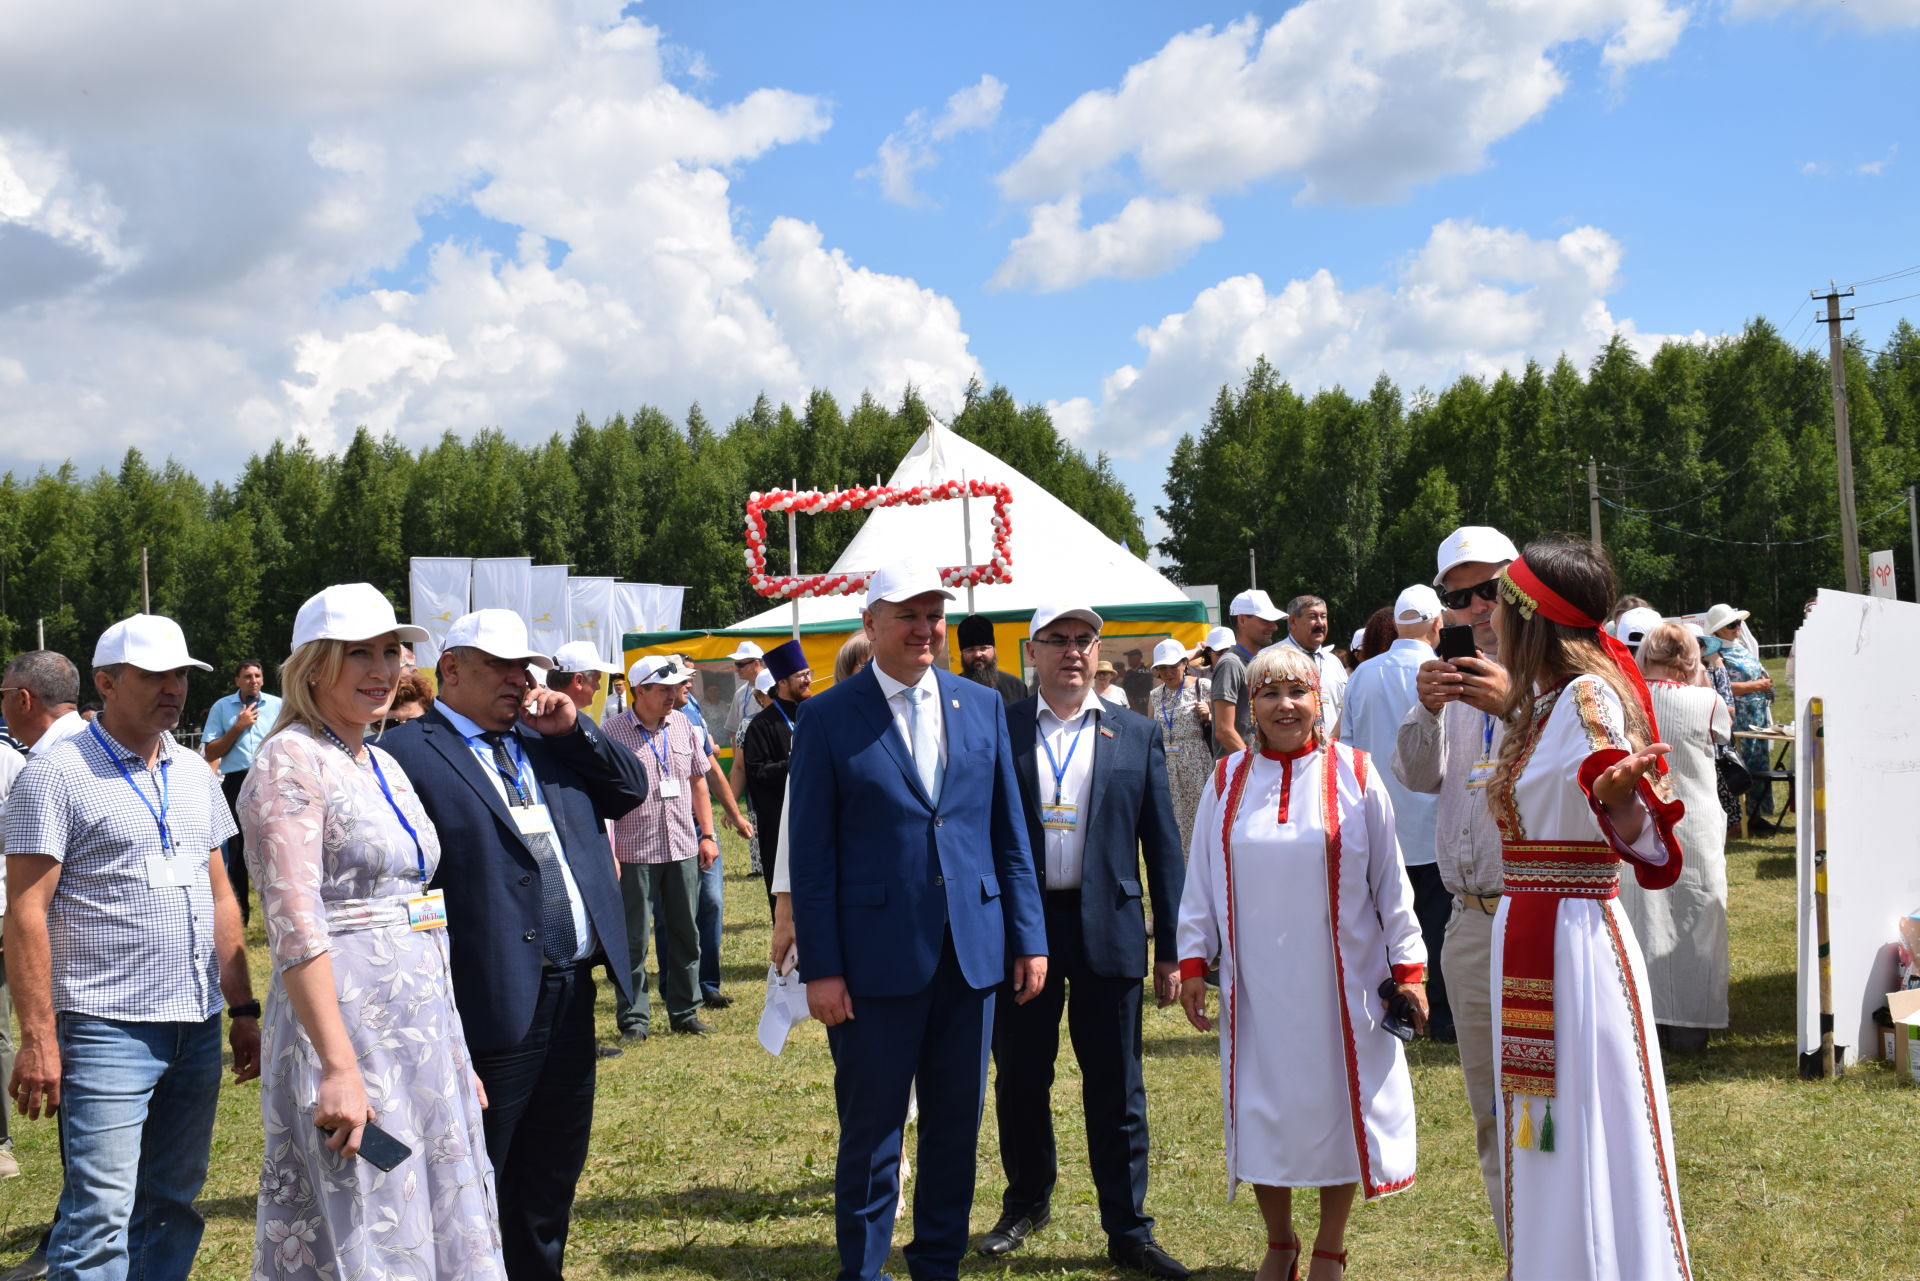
(1880, 575)
(549, 624)
(666, 617)
(592, 609)
(630, 602)
(437, 594)
(651, 595)
(504, 582)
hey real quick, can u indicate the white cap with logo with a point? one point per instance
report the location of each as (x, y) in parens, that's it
(1635, 624)
(499, 632)
(1056, 613)
(1168, 652)
(1258, 603)
(147, 641)
(1472, 544)
(903, 581)
(658, 669)
(1218, 638)
(746, 652)
(1418, 604)
(582, 656)
(350, 612)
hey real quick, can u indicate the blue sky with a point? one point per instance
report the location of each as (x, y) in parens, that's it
(234, 226)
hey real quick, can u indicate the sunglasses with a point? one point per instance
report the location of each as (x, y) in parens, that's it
(1464, 597)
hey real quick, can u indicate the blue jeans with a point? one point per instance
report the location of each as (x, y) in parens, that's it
(713, 893)
(136, 1114)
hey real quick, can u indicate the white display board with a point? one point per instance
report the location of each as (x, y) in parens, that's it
(1880, 575)
(1856, 654)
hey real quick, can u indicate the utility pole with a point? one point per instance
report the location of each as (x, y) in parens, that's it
(1593, 500)
(39, 633)
(1913, 528)
(1253, 579)
(146, 600)
(1842, 442)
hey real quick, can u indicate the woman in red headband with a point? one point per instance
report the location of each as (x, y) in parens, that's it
(1586, 1141)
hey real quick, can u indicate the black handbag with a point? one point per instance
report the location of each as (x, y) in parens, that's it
(1734, 775)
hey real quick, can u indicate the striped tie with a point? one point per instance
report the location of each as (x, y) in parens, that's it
(558, 941)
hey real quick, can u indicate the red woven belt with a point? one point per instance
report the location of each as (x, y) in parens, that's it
(1537, 875)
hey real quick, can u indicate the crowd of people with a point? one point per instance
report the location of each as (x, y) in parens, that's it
(1319, 854)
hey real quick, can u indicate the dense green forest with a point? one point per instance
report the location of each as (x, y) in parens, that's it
(1717, 471)
(639, 497)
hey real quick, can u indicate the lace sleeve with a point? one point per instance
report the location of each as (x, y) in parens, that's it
(283, 807)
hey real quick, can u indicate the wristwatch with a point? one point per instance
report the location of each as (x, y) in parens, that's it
(251, 1010)
(707, 836)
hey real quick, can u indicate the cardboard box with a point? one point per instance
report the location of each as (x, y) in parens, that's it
(1905, 1009)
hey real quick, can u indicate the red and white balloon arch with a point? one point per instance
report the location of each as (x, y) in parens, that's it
(813, 502)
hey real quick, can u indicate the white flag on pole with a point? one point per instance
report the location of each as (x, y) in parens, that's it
(630, 602)
(666, 614)
(549, 624)
(592, 608)
(504, 582)
(437, 594)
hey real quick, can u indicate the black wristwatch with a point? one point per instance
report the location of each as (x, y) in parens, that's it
(251, 1010)
(707, 836)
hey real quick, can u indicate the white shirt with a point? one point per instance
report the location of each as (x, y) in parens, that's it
(1073, 743)
(1378, 699)
(62, 729)
(11, 763)
(471, 731)
(1333, 680)
(897, 703)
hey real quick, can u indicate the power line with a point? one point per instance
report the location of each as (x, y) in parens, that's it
(1892, 275)
(1743, 542)
(1862, 306)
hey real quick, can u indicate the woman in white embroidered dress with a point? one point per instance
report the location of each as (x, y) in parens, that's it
(1295, 886)
(1587, 1148)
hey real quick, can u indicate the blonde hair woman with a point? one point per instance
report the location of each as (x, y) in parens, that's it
(360, 1024)
(1295, 886)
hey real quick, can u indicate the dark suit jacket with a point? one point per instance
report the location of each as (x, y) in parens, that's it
(491, 880)
(766, 744)
(880, 873)
(1129, 818)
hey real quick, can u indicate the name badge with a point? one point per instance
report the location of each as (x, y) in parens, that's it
(165, 873)
(669, 789)
(1059, 818)
(427, 911)
(1481, 774)
(532, 820)
(1173, 749)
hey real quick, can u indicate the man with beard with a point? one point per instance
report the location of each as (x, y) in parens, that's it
(767, 743)
(1307, 632)
(978, 659)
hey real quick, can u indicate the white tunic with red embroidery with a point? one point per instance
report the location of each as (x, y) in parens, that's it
(1304, 902)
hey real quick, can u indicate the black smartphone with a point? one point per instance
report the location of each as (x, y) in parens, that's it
(1399, 1010)
(378, 1148)
(1456, 641)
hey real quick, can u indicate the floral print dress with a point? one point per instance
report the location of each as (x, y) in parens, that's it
(1189, 754)
(335, 867)
(1751, 712)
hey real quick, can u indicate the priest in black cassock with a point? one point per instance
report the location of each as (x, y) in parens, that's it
(767, 743)
(979, 661)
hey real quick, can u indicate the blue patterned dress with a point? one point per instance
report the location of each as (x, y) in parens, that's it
(1751, 712)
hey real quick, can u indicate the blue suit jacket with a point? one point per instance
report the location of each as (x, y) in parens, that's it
(879, 872)
(1129, 816)
(491, 880)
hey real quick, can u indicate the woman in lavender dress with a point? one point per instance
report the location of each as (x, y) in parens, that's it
(360, 1023)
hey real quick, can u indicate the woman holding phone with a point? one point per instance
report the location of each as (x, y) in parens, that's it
(362, 1046)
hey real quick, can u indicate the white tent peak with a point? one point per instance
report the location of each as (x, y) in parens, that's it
(1058, 555)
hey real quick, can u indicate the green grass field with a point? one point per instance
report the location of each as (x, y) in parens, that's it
(713, 1159)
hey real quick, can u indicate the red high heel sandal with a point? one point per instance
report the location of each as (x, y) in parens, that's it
(1289, 1247)
(1340, 1259)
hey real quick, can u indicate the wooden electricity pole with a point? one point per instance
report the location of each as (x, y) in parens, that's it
(1593, 500)
(1842, 443)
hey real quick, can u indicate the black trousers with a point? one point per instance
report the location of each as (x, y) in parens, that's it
(234, 852)
(1433, 905)
(538, 1118)
(1103, 1022)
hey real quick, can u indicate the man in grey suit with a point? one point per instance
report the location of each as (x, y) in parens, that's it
(1093, 787)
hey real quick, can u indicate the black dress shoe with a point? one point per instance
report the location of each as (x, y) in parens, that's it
(32, 1268)
(607, 1051)
(1148, 1259)
(635, 1036)
(692, 1027)
(1011, 1231)
(716, 1000)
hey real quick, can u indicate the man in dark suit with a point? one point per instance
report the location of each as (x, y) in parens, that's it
(520, 787)
(1093, 785)
(913, 901)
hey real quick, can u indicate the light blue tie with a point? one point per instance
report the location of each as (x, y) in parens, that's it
(926, 743)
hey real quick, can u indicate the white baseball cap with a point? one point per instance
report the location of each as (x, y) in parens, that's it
(350, 612)
(499, 632)
(1258, 603)
(1635, 624)
(1168, 652)
(1218, 638)
(582, 656)
(904, 581)
(764, 681)
(1055, 613)
(1359, 640)
(658, 669)
(147, 641)
(1474, 543)
(748, 650)
(1418, 604)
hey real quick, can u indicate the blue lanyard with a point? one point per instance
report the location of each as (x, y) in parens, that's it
(1243, 651)
(522, 795)
(1166, 704)
(1486, 744)
(1060, 767)
(159, 815)
(659, 742)
(783, 715)
(419, 854)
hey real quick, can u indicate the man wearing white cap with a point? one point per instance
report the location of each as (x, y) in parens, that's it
(1383, 690)
(1447, 747)
(914, 901)
(577, 672)
(520, 787)
(1254, 620)
(749, 660)
(122, 924)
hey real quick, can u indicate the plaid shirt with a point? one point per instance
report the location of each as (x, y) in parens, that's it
(122, 949)
(659, 830)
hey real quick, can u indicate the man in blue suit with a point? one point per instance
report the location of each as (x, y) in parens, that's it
(1093, 788)
(913, 901)
(520, 786)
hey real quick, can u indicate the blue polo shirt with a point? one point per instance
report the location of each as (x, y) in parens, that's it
(221, 719)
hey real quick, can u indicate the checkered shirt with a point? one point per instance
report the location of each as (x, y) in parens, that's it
(121, 949)
(659, 830)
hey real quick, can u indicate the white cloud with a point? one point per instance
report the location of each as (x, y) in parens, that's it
(1356, 100)
(199, 227)
(1472, 300)
(1145, 238)
(908, 150)
(1872, 15)
(1874, 168)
